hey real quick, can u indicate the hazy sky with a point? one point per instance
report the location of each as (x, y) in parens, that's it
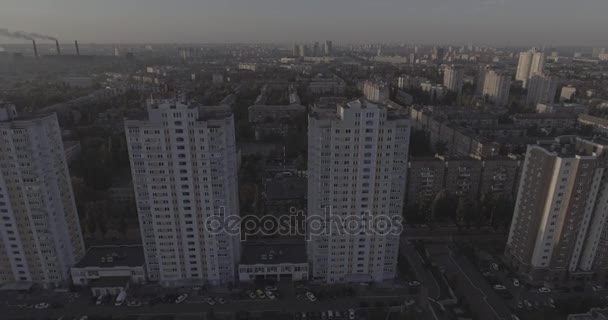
(551, 22)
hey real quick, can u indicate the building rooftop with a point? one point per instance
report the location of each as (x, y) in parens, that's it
(107, 282)
(113, 256)
(273, 252)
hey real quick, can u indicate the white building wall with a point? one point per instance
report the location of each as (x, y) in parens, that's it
(184, 171)
(357, 164)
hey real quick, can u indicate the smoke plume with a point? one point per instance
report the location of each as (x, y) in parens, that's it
(24, 35)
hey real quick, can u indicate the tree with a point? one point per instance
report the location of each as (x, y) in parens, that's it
(465, 212)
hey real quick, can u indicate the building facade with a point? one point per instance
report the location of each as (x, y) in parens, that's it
(530, 62)
(184, 167)
(453, 78)
(376, 91)
(357, 165)
(496, 87)
(558, 227)
(541, 89)
(40, 236)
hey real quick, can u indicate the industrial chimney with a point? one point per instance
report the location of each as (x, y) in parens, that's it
(58, 49)
(77, 49)
(35, 49)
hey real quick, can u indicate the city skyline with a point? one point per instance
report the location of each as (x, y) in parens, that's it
(236, 21)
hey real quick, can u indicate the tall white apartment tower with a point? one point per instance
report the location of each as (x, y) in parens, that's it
(530, 62)
(496, 86)
(357, 165)
(542, 88)
(183, 162)
(40, 236)
(559, 227)
(453, 78)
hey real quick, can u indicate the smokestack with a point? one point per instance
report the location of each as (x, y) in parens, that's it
(35, 49)
(77, 49)
(58, 49)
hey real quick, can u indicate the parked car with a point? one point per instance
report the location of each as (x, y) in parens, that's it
(251, 295)
(499, 287)
(544, 290)
(351, 314)
(260, 294)
(270, 288)
(516, 282)
(597, 288)
(122, 296)
(270, 295)
(42, 305)
(134, 303)
(220, 300)
(414, 283)
(181, 298)
(99, 300)
(311, 296)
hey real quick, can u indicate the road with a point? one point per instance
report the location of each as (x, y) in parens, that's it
(424, 276)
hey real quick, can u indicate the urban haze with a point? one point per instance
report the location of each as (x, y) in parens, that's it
(310, 160)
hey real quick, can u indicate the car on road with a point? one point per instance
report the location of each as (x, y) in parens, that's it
(209, 301)
(413, 283)
(311, 296)
(251, 295)
(499, 287)
(495, 266)
(42, 305)
(516, 282)
(544, 290)
(220, 300)
(597, 288)
(351, 314)
(270, 295)
(181, 298)
(122, 296)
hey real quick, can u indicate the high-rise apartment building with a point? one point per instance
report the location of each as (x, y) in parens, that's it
(542, 88)
(357, 166)
(453, 78)
(530, 63)
(40, 231)
(376, 91)
(496, 86)
(328, 48)
(558, 230)
(183, 162)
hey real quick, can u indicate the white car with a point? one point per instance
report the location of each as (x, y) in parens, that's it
(544, 290)
(311, 296)
(42, 305)
(270, 295)
(516, 282)
(351, 314)
(181, 298)
(499, 287)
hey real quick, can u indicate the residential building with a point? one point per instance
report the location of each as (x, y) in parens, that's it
(453, 78)
(599, 125)
(496, 86)
(541, 89)
(376, 91)
(567, 93)
(184, 167)
(530, 63)
(558, 227)
(274, 260)
(108, 269)
(357, 165)
(40, 232)
(328, 48)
